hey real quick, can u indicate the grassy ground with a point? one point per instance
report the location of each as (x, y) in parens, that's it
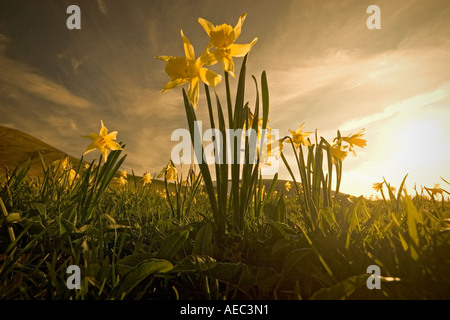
(136, 241)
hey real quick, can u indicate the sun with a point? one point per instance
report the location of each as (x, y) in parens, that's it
(418, 144)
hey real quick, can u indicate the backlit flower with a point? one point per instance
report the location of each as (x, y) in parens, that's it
(436, 190)
(147, 178)
(222, 37)
(287, 186)
(187, 69)
(276, 146)
(103, 142)
(338, 152)
(299, 137)
(123, 174)
(169, 172)
(61, 165)
(355, 140)
(121, 181)
(378, 186)
(72, 175)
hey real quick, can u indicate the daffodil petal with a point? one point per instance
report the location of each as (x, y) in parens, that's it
(208, 26)
(104, 152)
(111, 135)
(240, 50)
(237, 28)
(209, 77)
(188, 48)
(103, 130)
(300, 129)
(359, 142)
(228, 65)
(90, 148)
(193, 92)
(164, 58)
(113, 145)
(173, 84)
(92, 136)
(207, 58)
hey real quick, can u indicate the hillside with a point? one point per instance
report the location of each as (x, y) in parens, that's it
(16, 147)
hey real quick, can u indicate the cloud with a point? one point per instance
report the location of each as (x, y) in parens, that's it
(102, 6)
(4, 40)
(74, 62)
(22, 77)
(329, 90)
(417, 101)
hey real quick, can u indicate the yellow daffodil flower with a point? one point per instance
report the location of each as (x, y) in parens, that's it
(123, 174)
(61, 165)
(72, 175)
(147, 178)
(62, 168)
(355, 140)
(299, 137)
(287, 186)
(187, 69)
(222, 37)
(276, 146)
(436, 190)
(377, 186)
(169, 172)
(103, 142)
(338, 152)
(121, 181)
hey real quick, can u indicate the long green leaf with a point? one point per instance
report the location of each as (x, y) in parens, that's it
(203, 241)
(172, 244)
(142, 271)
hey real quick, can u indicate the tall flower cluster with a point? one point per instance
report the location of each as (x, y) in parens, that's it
(221, 48)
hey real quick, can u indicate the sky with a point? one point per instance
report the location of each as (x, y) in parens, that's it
(324, 67)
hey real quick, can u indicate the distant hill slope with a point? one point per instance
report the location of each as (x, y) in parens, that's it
(16, 147)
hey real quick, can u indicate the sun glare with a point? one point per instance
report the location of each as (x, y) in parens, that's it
(418, 146)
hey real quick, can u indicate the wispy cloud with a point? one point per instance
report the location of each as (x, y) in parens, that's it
(24, 78)
(102, 6)
(4, 40)
(406, 105)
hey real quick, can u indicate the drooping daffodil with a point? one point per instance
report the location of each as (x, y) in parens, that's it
(355, 140)
(338, 152)
(436, 190)
(378, 186)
